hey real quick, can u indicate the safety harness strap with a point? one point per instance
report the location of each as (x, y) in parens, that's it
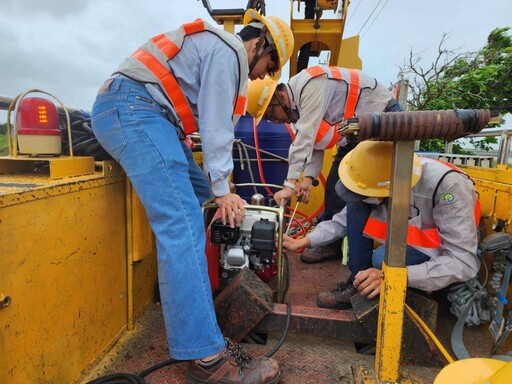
(325, 128)
(353, 95)
(172, 89)
(426, 238)
(165, 76)
(171, 86)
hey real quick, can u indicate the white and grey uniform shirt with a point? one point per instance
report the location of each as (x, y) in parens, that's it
(453, 214)
(318, 99)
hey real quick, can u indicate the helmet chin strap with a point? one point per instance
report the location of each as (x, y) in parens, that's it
(292, 117)
(261, 41)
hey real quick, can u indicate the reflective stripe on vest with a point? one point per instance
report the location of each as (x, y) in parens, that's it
(427, 238)
(327, 135)
(171, 86)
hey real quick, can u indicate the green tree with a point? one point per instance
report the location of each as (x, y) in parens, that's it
(463, 80)
(3, 140)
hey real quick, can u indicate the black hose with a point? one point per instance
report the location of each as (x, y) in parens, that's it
(285, 333)
(119, 378)
(84, 142)
(286, 276)
(128, 378)
(157, 366)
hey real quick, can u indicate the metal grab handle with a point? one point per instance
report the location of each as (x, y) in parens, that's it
(12, 138)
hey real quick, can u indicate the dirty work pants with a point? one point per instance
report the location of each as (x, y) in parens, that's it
(134, 130)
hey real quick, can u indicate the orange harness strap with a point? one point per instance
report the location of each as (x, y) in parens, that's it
(240, 105)
(323, 130)
(350, 104)
(427, 238)
(169, 82)
(315, 71)
(353, 95)
(172, 89)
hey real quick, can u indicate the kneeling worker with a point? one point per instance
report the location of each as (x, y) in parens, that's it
(442, 231)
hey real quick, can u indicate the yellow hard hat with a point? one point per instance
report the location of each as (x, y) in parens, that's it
(259, 94)
(366, 170)
(280, 32)
(476, 371)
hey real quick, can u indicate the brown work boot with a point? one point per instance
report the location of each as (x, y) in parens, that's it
(338, 298)
(234, 366)
(318, 255)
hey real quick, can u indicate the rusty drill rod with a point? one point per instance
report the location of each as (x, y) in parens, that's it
(420, 125)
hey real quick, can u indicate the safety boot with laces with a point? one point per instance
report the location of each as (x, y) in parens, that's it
(318, 255)
(339, 297)
(234, 366)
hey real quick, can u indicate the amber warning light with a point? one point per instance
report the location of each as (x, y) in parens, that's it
(37, 123)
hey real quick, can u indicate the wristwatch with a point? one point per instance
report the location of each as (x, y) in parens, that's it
(286, 183)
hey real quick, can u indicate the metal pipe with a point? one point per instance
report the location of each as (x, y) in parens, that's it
(493, 132)
(504, 148)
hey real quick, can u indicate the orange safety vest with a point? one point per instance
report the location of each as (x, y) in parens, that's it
(426, 238)
(154, 57)
(327, 135)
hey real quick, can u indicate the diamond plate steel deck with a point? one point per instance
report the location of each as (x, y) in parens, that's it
(303, 359)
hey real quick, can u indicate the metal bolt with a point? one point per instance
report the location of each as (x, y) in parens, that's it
(4, 300)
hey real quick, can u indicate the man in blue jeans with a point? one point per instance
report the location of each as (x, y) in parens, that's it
(441, 235)
(190, 79)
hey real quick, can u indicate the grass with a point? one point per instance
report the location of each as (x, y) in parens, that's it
(3, 145)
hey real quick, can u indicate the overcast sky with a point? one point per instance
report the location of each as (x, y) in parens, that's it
(69, 47)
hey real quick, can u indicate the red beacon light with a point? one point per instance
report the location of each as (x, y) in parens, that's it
(37, 125)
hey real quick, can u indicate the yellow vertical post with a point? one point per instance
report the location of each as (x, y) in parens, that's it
(129, 255)
(229, 25)
(392, 298)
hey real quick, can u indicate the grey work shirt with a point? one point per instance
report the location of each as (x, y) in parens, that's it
(321, 98)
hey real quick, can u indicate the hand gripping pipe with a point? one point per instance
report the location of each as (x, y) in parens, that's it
(420, 125)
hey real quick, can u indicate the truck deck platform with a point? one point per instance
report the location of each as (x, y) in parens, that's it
(303, 359)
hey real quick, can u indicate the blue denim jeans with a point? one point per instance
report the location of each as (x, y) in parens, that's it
(361, 254)
(134, 129)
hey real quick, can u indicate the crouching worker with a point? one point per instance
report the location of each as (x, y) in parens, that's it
(441, 236)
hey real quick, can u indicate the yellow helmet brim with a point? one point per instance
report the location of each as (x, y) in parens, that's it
(366, 170)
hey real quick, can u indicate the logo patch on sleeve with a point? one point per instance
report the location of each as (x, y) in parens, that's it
(448, 198)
